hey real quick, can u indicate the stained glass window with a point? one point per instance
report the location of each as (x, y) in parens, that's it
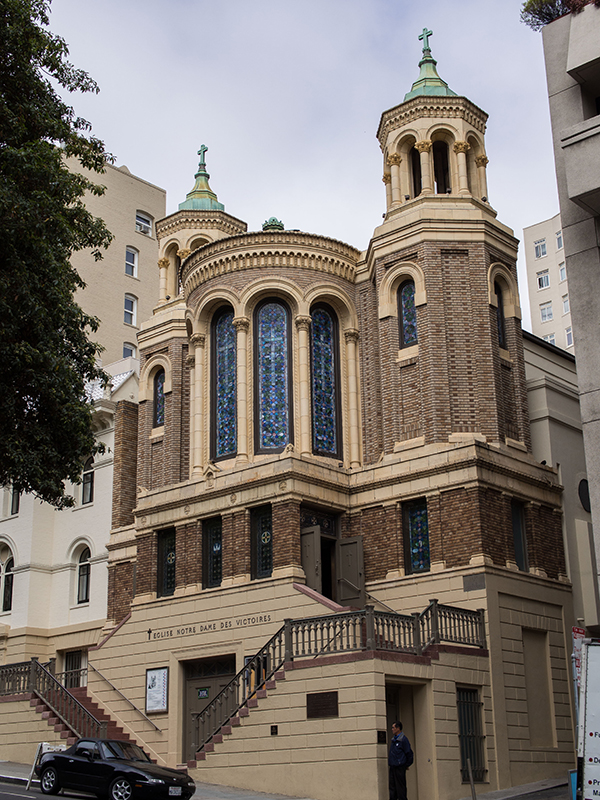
(273, 383)
(224, 386)
(262, 542)
(324, 382)
(166, 563)
(159, 399)
(213, 551)
(416, 537)
(500, 315)
(407, 314)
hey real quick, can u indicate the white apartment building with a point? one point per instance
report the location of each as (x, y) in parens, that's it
(547, 283)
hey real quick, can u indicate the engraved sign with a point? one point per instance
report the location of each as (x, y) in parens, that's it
(322, 704)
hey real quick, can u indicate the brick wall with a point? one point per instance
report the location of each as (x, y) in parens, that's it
(286, 534)
(125, 463)
(120, 590)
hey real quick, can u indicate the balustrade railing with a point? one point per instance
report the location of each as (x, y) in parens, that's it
(14, 678)
(338, 633)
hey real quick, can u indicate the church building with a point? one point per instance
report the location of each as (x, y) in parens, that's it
(335, 519)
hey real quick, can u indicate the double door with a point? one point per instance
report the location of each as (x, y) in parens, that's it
(334, 567)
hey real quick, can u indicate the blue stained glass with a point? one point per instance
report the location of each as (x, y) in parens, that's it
(418, 537)
(159, 399)
(273, 389)
(324, 420)
(226, 381)
(408, 315)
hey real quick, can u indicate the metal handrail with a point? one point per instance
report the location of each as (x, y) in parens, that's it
(127, 700)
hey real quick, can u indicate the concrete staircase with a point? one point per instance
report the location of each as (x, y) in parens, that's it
(114, 731)
(236, 721)
(52, 720)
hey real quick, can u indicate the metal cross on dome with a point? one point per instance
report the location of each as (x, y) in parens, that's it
(424, 37)
(201, 152)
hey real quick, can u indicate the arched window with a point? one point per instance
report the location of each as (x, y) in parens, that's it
(407, 314)
(440, 167)
(158, 415)
(500, 322)
(129, 350)
(415, 163)
(83, 576)
(324, 350)
(7, 583)
(87, 492)
(224, 385)
(273, 406)
(130, 309)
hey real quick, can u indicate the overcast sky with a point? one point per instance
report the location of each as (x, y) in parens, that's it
(288, 96)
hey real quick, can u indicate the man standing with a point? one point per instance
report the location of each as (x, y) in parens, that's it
(399, 760)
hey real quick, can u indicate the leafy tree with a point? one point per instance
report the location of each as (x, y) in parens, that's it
(537, 13)
(45, 355)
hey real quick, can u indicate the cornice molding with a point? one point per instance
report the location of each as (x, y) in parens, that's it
(203, 220)
(261, 250)
(424, 107)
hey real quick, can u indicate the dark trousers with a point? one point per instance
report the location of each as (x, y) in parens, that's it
(397, 783)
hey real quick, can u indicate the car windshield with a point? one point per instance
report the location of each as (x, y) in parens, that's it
(126, 750)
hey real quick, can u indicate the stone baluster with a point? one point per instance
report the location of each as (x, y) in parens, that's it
(482, 162)
(394, 160)
(163, 272)
(460, 148)
(424, 147)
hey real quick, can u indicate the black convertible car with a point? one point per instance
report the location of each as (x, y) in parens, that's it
(111, 768)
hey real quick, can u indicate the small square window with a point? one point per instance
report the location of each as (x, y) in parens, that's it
(546, 312)
(130, 309)
(543, 279)
(569, 336)
(131, 262)
(559, 241)
(566, 307)
(550, 338)
(562, 271)
(540, 248)
(143, 224)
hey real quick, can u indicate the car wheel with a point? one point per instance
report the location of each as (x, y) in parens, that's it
(49, 783)
(120, 789)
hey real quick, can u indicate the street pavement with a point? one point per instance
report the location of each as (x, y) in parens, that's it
(552, 789)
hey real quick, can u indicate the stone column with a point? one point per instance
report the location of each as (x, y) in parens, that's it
(482, 162)
(163, 268)
(190, 364)
(387, 179)
(394, 161)
(423, 147)
(174, 282)
(351, 337)
(460, 148)
(303, 326)
(198, 341)
(242, 326)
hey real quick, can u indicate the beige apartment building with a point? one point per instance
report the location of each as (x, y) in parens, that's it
(548, 284)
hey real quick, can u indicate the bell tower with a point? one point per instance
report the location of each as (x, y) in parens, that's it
(450, 349)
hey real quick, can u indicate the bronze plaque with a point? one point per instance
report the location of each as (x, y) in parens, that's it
(322, 704)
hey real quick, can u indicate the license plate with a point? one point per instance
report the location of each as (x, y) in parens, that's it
(174, 790)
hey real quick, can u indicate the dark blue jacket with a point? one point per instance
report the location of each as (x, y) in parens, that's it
(401, 754)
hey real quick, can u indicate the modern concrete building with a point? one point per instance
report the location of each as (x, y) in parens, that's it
(547, 282)
(572, 53)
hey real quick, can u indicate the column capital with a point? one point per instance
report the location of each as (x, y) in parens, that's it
(394, 159)
(163, 263)
(424, 146)
(241, 323)
(351, 335)
(482, 161)
(302, 322)
(461, 147)
(198, 339)
(190, 361)
(184, 252)
(387, 178)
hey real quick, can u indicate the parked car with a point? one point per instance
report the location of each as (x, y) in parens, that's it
(111, 768)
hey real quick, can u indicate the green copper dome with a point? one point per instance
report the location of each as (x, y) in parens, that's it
(202, 197)
(429, 82)
(273, 224)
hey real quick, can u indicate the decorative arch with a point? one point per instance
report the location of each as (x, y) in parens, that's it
(390, 284)
(151, 367)
(8, 548)
(499, 273)
(198, 240)
(338, 300)
(201, 316)
(76, 548)
(276, 287)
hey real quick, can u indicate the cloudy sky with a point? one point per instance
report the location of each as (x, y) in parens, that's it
(288, 95)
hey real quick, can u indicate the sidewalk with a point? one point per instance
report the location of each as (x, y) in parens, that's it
(11, 772)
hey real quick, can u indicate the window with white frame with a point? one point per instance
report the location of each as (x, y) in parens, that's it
(566, 307)
(87, 493)
(83, 576)
(543, 279)
(546, 311)
(540, 248)
(130, 311)
(143, 223)
(562, 271)
(550, 338)
(559, 241)
(131, 261)
(569, 336)
(129, 350)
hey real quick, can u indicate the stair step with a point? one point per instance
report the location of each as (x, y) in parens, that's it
(217, 738)
(271, 684)
(226, 730)
(66, 734)
(46, 714)
(200, 756)
(235, 722)
(252, 702)
(191, 765)
(261, 694)
(280, 676)
(244, 712)
(60, 727)
(209, 748)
